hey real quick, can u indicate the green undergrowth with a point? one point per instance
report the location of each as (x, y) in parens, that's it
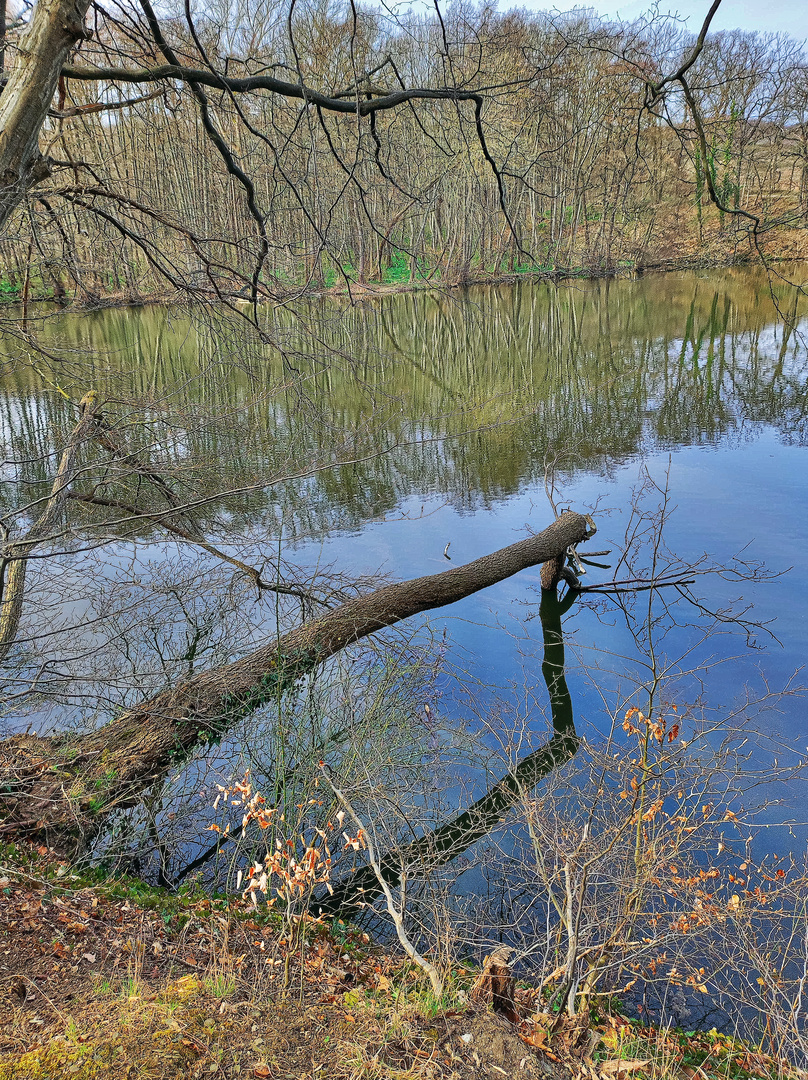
(348, 1009)
(398, 275)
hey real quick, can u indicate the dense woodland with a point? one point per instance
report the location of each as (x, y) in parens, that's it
(561, 162)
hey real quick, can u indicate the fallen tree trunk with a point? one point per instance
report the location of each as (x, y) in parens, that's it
(63, 789)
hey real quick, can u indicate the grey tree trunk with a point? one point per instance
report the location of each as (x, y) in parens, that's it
(55, 28)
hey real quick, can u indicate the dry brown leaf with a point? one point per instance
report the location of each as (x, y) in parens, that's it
(610, 1068)
(536, 1038)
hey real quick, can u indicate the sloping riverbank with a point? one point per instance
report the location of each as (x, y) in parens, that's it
(111, 978)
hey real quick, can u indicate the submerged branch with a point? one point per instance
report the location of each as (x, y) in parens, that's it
(451, 839)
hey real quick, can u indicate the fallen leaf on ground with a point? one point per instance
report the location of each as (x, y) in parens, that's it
(535, 1038)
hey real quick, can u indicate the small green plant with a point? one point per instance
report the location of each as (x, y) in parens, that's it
(105, 780)
(429, 1005)
(220, 985)
(131, 987)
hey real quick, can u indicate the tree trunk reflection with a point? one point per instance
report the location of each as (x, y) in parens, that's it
(455, 837)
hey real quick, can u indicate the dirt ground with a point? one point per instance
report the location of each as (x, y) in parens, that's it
(95, 982)
(113, 980)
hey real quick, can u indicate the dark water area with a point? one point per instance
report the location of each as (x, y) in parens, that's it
(392, 434)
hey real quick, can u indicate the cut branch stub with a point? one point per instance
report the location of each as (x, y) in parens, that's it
(495, 985)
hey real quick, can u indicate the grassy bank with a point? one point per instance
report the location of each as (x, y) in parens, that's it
(724, 249)
(111, 978)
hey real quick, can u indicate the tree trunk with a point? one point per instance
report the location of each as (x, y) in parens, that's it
(56, 26)
(63, 789)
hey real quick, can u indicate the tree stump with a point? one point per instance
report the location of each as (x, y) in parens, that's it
(496, 984)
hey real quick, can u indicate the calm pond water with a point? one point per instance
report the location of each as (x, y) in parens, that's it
(447, 412)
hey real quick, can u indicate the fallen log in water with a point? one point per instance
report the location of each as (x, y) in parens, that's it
(63, 789)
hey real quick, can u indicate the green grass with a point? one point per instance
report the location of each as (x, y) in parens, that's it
(220, 985)
(398, 272)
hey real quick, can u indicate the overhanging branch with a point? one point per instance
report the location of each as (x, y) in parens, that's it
(247, 84)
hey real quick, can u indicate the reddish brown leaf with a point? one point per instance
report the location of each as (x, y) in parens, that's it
(536, 1038)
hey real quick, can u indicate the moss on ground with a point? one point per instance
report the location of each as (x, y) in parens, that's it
(113, 979)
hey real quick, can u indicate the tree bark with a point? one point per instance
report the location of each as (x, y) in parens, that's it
(495, 985)
(64, 789)
(56, 26)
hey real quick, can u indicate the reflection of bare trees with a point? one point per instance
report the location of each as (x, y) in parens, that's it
(596, 371)
(180, 503)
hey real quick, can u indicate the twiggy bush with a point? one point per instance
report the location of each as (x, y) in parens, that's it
(294, 864)
(632, 874)
(298, 859)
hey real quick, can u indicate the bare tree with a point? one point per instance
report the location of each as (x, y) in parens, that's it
(228, 153)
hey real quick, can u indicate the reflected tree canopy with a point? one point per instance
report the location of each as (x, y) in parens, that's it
(460, 396)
